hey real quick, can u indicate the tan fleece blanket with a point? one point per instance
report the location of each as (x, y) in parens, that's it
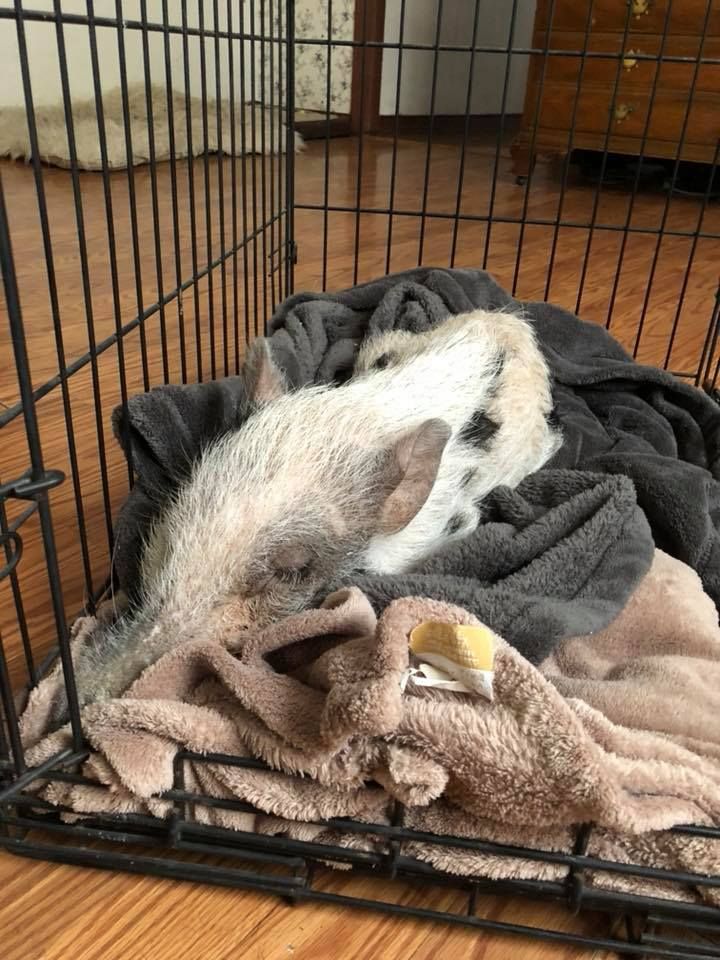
(321, 694)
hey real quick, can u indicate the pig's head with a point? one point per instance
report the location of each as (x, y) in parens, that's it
(270, 514)
(284, 505)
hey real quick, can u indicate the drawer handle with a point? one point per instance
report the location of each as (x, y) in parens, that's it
(629, 61)
(639, 8)
(623, 111)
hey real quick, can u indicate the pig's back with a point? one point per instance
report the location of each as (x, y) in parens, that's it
(450, 382)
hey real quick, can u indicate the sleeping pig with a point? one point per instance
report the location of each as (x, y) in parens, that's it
(376, 474)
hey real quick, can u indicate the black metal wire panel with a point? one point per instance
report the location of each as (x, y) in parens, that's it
(440, 189)
(164, 272)
(129, 276)
(295, 869)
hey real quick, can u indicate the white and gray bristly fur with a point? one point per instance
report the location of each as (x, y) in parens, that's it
(508, 431)
(376, 474)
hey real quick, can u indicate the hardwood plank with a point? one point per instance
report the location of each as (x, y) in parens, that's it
(114, 916)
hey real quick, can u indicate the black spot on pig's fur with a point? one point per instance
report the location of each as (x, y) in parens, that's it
(552, 418)
(384, 360)
(455, 523)
(494, 385)
(501, 361)
(479, 430)
(467, 479)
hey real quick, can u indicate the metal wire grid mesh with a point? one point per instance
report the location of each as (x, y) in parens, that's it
(643, 925)
(452, 200)
(153, 274)
(206, 249)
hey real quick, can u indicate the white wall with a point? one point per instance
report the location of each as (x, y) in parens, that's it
(43, 55)
(420, 20)
(453, 68)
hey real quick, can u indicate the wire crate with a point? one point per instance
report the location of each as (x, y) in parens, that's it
(135, 275)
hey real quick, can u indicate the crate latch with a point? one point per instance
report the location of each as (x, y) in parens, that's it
(25, 488)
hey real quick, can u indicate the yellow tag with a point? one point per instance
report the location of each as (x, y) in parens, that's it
(470, 647)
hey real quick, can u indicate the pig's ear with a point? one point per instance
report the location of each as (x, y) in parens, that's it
(412, 466)
(263, 380)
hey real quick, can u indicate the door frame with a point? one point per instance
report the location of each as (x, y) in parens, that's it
(368, 28)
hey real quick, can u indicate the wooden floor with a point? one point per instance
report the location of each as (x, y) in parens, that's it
(54, 912)
(51, 912)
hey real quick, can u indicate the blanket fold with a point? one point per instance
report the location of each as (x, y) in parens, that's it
(556, 557)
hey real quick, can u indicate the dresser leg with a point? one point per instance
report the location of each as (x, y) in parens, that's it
(523, 160)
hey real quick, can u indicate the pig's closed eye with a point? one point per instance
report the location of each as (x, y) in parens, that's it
(295, 574)
(251, 587)
(292, 563)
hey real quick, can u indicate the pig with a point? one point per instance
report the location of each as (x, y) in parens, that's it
(375, 474)
(516, 431)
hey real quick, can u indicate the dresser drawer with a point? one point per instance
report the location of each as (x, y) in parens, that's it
(646, 16)
(630, 112)
(634, 72)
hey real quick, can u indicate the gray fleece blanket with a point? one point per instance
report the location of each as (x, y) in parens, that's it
(558, 556)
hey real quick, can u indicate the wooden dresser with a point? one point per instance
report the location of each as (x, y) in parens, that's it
(597, 102)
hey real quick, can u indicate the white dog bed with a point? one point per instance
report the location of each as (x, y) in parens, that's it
(53, 140)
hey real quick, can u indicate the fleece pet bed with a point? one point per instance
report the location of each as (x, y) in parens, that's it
(254, 129)
(321, 694)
